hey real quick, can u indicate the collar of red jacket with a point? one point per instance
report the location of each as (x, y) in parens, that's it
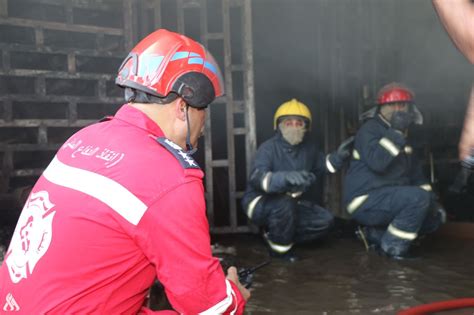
(137, 118)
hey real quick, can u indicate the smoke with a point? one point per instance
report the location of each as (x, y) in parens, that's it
(323, 53)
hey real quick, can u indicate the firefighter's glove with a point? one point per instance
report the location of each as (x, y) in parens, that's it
(309, 177)
(400, 121)
(300, 181)
(344, 151)
(295, 178)
(290, 181)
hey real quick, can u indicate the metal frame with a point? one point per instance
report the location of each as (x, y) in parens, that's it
(137, 22)
(233, 105)
(39, 77)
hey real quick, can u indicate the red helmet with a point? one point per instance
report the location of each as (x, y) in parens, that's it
(165, 62)
(394, 93)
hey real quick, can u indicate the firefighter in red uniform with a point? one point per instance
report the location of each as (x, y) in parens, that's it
(122, 202)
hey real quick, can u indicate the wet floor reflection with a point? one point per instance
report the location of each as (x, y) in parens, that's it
(339, 277)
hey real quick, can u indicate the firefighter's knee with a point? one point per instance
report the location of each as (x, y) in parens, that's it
(419, 198)
(423, 200)
(281, 207)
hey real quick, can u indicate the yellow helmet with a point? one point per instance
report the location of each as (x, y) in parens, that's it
(292, 108)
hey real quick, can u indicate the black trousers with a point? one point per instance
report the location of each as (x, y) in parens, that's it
(397, 215)
(289, 220)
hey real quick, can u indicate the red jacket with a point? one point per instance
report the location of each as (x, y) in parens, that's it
(118, 206)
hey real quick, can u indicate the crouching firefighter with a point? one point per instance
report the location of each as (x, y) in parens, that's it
(281, 187)
(385, 189)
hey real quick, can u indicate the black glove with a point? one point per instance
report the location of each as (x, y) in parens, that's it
(292, 181)
(401, 120)
(307, 179)
(299, 178)
(310, 178)
(344, 151)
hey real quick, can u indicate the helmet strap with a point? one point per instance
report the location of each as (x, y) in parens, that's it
(136, 96)
(189, 147)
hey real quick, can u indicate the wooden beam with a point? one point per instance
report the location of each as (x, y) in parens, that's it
(219, 163)
(60, 26)
(4, 8)
(214, 36)
(39, 36)
(72, 113)
(207, 131)
(102, 87)
(229, 112)
(98, 5)
(6, 60)
(42, 134)
(40, 86)
(128, 24)
(7, 111)
(61, 98)
(57, 74)
(156, 7)
(180, 16)
(63, 50)
(71, 63)
(249, 84)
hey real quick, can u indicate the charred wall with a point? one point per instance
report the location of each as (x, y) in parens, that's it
(59, 60)
(57, 66)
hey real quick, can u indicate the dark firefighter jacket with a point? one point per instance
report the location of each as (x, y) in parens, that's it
(381, 158)
(275, 155)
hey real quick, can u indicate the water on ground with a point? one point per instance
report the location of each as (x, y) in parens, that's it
(338, 276)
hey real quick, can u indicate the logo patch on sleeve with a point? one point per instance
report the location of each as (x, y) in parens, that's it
(184, 158)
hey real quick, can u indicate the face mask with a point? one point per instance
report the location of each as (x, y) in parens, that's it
(388, 110)
(293, 135)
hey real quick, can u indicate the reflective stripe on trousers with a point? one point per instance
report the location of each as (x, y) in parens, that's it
(356, 203)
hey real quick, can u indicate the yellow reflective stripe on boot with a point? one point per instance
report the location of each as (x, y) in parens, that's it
(389, 146)
(279, 248)
(410, 236)
(252, 205)
(356, 203)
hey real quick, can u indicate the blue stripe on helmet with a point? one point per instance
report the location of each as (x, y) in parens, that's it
(194, 55)
(210, 66)
(180, 55)
(195, 61)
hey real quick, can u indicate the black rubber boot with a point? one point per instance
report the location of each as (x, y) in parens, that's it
(396, 248)
(409, 255)
(288, 256)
